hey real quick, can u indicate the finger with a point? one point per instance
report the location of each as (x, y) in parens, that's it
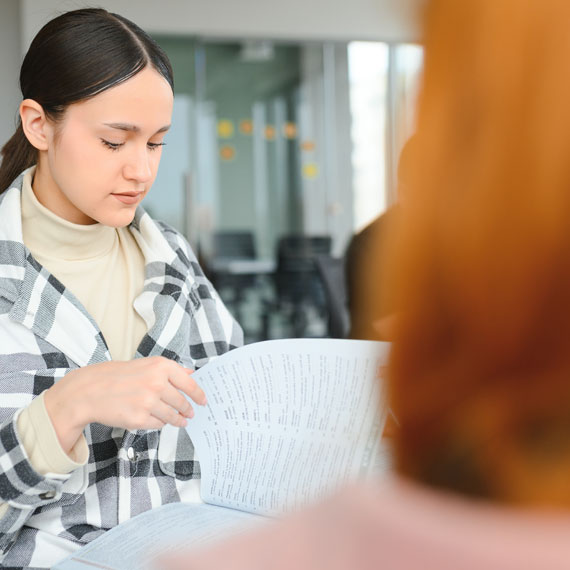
(180, 379)
(175, 399)
(154, 423)
(168, 415)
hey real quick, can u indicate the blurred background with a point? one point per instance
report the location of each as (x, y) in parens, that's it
(289, 118)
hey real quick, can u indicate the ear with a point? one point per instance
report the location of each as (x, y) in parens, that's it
(37, 128)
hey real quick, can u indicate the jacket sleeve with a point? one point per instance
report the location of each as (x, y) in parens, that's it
(22, 488)
(217, 331)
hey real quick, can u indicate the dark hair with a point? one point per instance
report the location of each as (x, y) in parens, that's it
(73, 58)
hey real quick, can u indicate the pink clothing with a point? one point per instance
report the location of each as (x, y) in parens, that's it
(396, 525)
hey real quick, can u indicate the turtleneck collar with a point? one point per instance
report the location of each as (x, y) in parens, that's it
(50, 236)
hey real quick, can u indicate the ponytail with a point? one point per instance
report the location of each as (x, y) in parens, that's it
(17, 155)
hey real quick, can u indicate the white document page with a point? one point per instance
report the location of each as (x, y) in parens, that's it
(288, 421)
(172, 528)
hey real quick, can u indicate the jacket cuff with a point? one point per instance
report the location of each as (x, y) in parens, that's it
(41, 443)
(20, 484)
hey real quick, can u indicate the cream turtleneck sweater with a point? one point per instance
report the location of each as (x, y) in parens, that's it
(104, 268)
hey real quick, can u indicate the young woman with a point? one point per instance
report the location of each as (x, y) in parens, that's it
(103, 311)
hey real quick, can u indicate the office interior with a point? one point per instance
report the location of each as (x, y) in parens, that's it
(288, 122)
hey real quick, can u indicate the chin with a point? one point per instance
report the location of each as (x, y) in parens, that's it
(118, 219)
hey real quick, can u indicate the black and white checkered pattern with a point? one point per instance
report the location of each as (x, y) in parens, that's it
(44, 333)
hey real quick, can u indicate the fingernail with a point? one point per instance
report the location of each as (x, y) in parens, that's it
(204, 400)
(190, 413)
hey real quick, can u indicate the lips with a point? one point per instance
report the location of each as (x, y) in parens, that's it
(128, 197)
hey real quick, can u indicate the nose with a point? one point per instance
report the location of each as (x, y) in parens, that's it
(139, 166)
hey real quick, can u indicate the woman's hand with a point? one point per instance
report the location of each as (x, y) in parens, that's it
(145, 393)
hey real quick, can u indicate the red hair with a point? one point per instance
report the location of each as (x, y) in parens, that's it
(480, 368)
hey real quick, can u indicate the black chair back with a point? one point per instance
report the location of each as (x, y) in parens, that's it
(234, 245)
(296, 276)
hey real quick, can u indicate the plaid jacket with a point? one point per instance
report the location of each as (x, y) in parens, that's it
(44, 333)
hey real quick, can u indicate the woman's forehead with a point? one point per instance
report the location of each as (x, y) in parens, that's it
(141, 102)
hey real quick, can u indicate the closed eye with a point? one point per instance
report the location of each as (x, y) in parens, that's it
(112, 145)
(115, 146)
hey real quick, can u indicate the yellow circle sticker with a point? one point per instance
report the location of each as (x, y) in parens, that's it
(225, 129)
(310, 170)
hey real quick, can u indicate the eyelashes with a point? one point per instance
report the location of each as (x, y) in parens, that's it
(112, 146)
(116, 146)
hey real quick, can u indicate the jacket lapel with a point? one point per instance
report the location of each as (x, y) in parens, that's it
(169, 295)
(51, 312)
(40, 302)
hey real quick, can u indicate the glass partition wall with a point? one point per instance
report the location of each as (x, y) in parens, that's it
(275, 144)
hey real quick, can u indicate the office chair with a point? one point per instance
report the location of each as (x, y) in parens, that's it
(230, 246)
(234, 245)
(298, 286)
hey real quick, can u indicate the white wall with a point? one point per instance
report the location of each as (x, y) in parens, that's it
(10, 56)
(388, 20)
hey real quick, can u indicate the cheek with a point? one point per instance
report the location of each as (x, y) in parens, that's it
(154, 163)
(83, 173)
(76, 156)
(88, 164)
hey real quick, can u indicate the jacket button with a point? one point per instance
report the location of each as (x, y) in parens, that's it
(47, 495)
(131, 454)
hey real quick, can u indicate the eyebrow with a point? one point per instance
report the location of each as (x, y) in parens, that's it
(132, 128)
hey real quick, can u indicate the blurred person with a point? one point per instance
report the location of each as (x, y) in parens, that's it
(480, 367)
(481, 364)
(370, 302)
